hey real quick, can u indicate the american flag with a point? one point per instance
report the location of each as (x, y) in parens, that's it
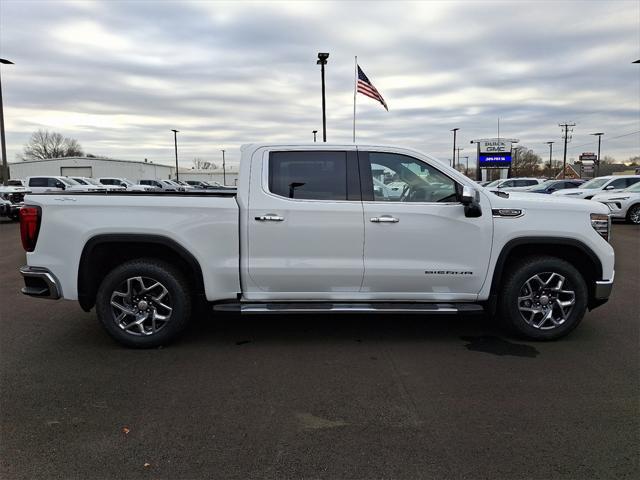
(365, 87)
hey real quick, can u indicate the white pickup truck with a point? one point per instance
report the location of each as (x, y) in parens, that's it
(311, 231)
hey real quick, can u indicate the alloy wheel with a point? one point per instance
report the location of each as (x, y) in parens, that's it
(141, 306)
(546, 300)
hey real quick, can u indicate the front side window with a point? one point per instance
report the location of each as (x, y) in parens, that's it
(619, 183)
(400, 178)
(308, 175)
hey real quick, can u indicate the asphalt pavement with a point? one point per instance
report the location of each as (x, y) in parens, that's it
(319, 397)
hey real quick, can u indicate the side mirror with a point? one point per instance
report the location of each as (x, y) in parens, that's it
(552, 189)
(60, 185)
(470, 198)
(609, 187)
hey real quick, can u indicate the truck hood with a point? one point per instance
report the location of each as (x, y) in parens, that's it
(10, 189)
(526, 200)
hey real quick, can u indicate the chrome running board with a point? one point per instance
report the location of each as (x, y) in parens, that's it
(314, 307)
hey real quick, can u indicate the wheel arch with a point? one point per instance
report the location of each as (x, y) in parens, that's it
(574, 251)
(104, 252)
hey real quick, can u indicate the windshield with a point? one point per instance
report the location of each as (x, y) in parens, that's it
(69, 181)
(92, 181)
(595, 183)
(635, 188)
(127, 182)
(494, 183)
(81, 181)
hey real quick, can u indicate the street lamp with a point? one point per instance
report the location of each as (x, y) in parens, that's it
(322, 61)
(453, 160)
(599, 135)
(458, 150)
(466, 168)
(175, 146)
(550, 158)
(314, 135)
(224, 170)
(5, 168)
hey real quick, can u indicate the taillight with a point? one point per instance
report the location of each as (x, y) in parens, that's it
(29, 226)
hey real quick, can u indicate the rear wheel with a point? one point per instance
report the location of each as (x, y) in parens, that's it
(144, 303)
(633, 214)
(543, 298)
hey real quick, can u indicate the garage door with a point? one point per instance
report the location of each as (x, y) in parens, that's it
(75, 171)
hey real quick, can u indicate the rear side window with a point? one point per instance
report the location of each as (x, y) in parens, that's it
(308, 175)
(527, 183)
(37, 182)
(632, 181)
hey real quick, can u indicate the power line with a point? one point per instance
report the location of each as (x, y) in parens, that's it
(610, 138)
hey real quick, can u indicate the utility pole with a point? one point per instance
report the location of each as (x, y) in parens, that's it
(322, 61)
(466, 168)
(550, 158)
(224, 170)
(5, 167)
(565, 126)
(175, 146)
(453, 159)
(314, 135)
(599, 135)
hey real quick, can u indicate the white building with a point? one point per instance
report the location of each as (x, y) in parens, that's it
(91, 167)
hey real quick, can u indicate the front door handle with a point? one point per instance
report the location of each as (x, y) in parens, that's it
(270, 218)
(385, 219)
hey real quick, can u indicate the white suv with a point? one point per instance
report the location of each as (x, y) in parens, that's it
(43, 184)
(123, 182)
(93, 181)
(514, 183)
(612, 183)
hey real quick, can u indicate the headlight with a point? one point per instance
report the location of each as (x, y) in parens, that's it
(601, 223)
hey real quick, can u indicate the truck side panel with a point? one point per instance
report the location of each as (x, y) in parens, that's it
(207, 227)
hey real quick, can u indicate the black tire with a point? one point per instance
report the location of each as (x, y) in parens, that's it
(633, 214)
(172, 290)
(515, 284)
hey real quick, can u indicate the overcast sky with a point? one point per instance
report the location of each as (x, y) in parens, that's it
(118, 75)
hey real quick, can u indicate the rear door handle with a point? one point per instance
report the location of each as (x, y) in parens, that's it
(270, 218)
(385, 219)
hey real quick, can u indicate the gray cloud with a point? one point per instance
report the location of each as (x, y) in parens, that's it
(119, 75)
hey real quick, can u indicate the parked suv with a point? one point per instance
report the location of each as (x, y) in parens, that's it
(164, 185)
(58, 184)
(551, 186)
(600, 185)
(123, 182)
(514, 183)
(624, 204)
(93, 181)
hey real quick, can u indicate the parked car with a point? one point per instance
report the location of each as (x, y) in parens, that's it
(163, 185)
(551, 186)
(599, 185)
(12, 199)
(186, 185)
(93, 181)
(123, 182)
(306, 233)
(513, 183)
(58, 183)
(624, 204)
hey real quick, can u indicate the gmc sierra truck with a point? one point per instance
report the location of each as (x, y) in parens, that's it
(318, 229)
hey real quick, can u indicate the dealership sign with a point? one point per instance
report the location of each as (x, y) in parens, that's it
(494, 153)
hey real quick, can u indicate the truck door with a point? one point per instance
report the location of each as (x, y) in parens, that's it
(305, 228)
(419, 245)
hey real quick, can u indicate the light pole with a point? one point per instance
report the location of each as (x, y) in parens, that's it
(175, 147)
(458, 150)
(453, 160)
(5, 168)
(322, 61)
(550, 158)
(314, 135)
(224, 170)
(466, 168)
(599, 135)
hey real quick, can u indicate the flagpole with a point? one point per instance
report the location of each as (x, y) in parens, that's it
(355, 89)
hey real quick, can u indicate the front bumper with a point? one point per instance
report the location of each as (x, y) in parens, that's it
(40, 282)
(603, 289)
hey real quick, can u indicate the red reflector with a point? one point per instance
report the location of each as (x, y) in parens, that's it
(29, 226)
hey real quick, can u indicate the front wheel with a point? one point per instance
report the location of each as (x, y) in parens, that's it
(543, 298)
(633, 215)
(144, 303)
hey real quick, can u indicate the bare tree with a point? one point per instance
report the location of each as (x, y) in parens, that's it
(199, 164)
(44, 144)
(525, 163)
